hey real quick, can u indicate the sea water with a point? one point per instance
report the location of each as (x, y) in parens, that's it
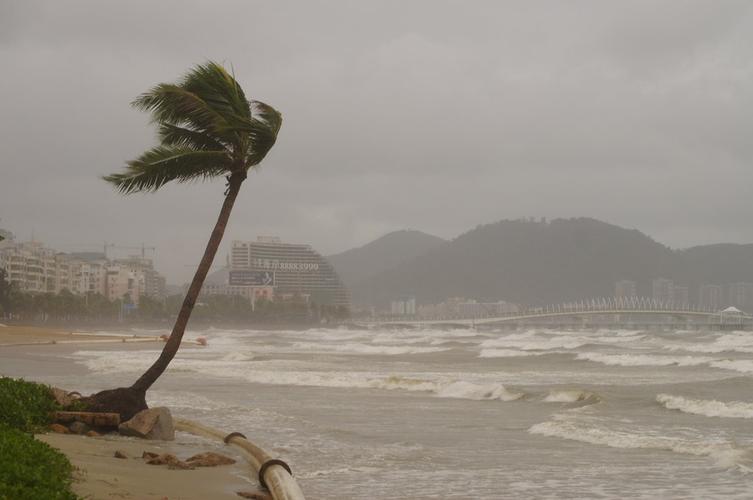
(482, 414)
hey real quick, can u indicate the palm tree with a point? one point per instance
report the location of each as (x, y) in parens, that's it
(206, 128)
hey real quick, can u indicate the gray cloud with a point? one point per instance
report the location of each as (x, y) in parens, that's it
(429, 115)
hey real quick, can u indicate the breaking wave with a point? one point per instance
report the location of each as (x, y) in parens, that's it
(738, 365)
(570, 396)
(706, 407)
(643, 359)
(506, 353)
(724, 453)
(359, 348)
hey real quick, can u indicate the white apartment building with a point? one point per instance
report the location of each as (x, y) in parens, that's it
(35, 268)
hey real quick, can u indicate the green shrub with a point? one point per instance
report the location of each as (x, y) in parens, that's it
(31, 469)
(25, 406)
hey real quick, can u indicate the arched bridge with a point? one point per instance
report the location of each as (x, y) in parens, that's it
(621, 306)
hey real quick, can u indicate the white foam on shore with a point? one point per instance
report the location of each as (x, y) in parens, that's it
(643, 359)
(706, 407)
(724, 453)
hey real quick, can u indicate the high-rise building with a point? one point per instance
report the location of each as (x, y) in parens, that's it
(405, 306)
(710, 297)
(289, 268)
(680, 297)
(625, 289)
(741, 296)
(663, 291)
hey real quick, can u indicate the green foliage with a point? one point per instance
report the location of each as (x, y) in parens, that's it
(25, 406)
(206, 128)
(31, 469)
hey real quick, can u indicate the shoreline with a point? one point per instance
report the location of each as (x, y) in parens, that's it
(17, 335)
(98, 473)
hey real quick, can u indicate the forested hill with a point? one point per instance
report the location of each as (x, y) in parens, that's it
(547, 262)
(359, 264)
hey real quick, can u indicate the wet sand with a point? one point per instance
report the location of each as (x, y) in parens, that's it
(102, 476)
(12, 335)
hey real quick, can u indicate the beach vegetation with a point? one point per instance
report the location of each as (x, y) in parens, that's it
(29, 469)
(207, 128)
(26, 406)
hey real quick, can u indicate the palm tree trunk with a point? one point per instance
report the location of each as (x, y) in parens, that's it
(173, 343)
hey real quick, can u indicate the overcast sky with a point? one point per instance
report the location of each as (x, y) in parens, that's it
(430, 115)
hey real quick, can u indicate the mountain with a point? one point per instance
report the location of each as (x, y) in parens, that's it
(530, 262)
(718, 264)
(362, 263)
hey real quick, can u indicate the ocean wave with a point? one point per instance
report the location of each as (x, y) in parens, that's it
(359, 348)
(642, 359)
(729, 342)
(738, 365)
(532, 344)
(478, 392)
(570, 396)
(724, 453)
(506, 353)
(706, 407)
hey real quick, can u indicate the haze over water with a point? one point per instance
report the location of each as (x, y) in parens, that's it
(363, 414)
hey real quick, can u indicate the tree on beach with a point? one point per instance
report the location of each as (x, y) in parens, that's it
(207, 128)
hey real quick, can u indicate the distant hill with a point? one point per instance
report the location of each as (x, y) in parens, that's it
(532, 263)
(359, 264)
(718, 264)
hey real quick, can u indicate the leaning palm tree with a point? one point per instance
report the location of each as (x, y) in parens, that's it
(206, 128)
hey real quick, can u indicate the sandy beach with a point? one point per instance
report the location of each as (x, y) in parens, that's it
(11, 335)
(102, 476)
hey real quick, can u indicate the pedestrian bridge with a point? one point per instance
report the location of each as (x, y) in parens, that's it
(620, 307)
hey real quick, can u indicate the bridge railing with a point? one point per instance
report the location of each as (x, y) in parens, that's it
(606, 304)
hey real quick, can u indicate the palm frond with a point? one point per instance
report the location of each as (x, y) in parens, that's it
(160, 165)
(174, 105)
(172, 135)
(263, 130)
(219, 89)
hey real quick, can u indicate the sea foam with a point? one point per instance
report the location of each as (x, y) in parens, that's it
(706, 407)
(642, 359)
(570, 396)
(724, 453)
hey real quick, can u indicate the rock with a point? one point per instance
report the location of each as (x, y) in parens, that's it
(61, 397)
(79, 427)
(209, 459)
(93, 434)
(153, 423)
(254, 495)
(166, 459)
(120, 454)
(60, 429)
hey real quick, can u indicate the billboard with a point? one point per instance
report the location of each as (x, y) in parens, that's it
(251, 278)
